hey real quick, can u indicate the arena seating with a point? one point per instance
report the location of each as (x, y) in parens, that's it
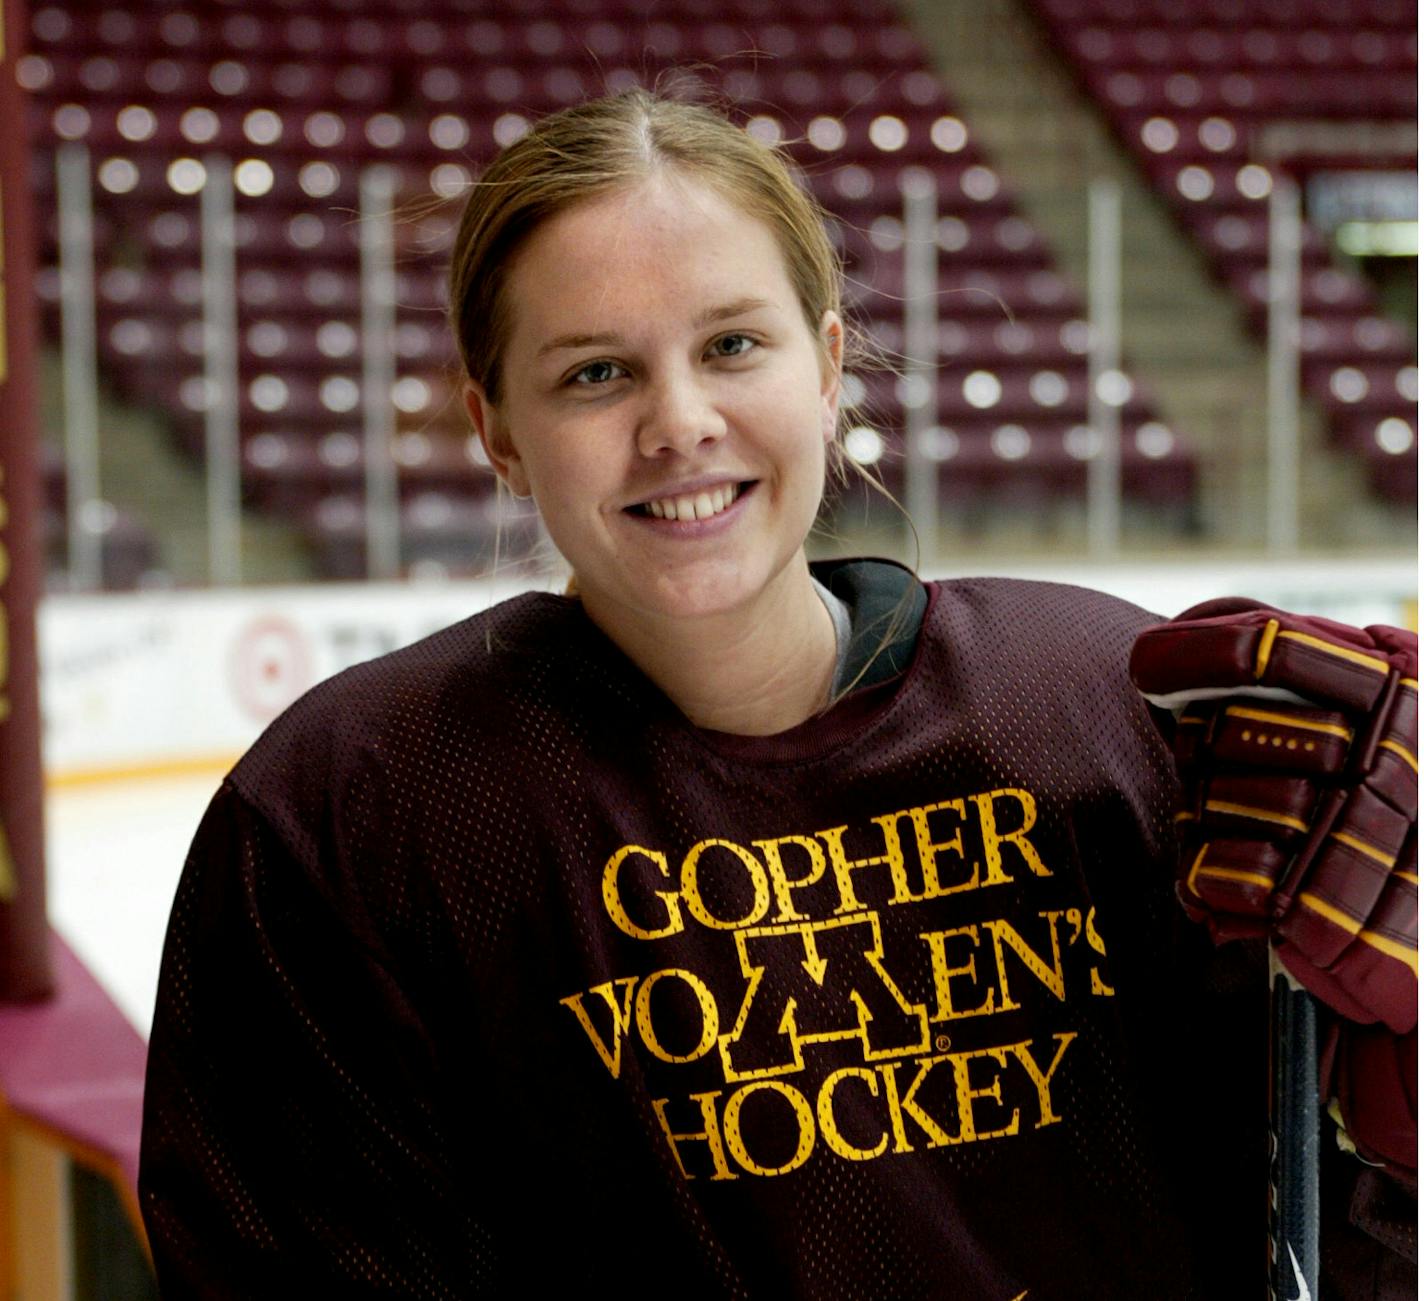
(301, 101)
(1189, 86)
(128, 551)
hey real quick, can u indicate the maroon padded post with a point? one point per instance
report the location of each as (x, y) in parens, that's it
(25, 971)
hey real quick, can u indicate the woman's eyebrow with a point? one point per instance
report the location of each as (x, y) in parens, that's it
(578, 341)
(736, 308)
(711, 316)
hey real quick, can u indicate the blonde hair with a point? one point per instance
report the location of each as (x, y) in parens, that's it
(593, 148)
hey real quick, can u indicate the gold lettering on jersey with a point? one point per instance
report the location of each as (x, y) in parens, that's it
(800, 1110)
(828, 1042)
(705, 1002)
(710, 1133)
(613, 898)
(999, 851)
(772, 1030)
(826, 1115)
(943, 1100)
(781, 883)
(1006, 937)
(609, 1042)
(997, 835)
(755, 877)
(965, 940)
(1095, 942)
(893, 860)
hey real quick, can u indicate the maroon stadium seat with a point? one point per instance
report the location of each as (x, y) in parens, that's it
(1188, 84)
(311, 94)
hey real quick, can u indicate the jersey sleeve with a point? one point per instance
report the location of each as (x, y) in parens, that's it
(294, 1141)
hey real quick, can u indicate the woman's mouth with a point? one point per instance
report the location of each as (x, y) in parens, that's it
(686, 507)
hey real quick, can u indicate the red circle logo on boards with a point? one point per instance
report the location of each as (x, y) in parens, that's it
(271, 666)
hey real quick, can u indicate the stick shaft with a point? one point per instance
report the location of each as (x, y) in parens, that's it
(1294, 1208)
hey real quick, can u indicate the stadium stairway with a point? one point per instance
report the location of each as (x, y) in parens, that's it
(144, 474)
(1182, 331)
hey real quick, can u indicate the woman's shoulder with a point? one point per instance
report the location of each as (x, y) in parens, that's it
(1046, 594)
(1016, 637)
(468, 674)
(1041, 609)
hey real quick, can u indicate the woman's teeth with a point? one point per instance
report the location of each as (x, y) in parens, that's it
(699, 505)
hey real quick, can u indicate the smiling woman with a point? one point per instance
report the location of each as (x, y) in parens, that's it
(672, 426)
(673, 431)
(734, 927)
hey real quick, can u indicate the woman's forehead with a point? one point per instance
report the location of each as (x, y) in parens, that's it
(665, 241)
(665, 201)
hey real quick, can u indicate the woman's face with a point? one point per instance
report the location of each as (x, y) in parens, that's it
(664, 402)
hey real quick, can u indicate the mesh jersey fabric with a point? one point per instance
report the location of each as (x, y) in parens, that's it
(489, 974)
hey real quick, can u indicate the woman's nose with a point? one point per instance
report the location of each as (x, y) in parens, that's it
(679, 417)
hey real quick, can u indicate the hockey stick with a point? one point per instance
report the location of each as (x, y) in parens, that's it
(1294, 1209)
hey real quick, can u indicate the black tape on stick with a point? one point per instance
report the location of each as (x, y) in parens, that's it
(1294, 1209)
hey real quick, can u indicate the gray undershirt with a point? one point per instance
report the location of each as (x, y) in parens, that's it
(840, 620)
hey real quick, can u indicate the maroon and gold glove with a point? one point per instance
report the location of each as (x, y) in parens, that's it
(1297, 742)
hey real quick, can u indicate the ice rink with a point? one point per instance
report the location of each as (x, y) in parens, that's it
(115, 849)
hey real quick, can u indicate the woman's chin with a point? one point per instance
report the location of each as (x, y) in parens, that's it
(692, 594)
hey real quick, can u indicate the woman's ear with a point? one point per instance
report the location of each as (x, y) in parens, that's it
(832, 353)
(494, 438)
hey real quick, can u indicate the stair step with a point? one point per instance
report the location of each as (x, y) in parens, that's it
(142, 472)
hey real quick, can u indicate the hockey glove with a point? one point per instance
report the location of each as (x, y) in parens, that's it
(1297, 742)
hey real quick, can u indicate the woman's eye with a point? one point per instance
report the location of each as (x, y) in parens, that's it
(733, 345)
(596, 372)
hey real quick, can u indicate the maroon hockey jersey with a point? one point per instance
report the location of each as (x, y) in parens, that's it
(489, 974)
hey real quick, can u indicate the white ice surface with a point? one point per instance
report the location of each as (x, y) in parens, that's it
(114, 852)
